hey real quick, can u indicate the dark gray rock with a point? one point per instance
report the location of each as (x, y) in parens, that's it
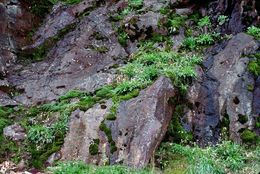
(222, 92)
(138, 130)
(58, 19)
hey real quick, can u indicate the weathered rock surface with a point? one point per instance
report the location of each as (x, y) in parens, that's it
(59, 18)
(15, 132)
(79, 61)
(256, 101)
(137, 131)
(15, 22)
(222, 91)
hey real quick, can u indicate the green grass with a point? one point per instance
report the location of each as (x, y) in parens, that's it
(81, 168)
(226, 157)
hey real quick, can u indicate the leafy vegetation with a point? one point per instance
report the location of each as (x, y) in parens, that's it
(222, 19)
(254, 31)
(147, 65)
(254, 64)
(226, 157)
(81, 168)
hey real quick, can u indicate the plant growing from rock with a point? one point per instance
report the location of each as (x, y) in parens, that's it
(254, 31)
(222, 19)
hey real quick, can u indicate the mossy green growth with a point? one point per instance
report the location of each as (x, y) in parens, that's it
(71, 94)
(40, 155)
(136, 4)
(175, 131)
(248, 136)
(242, 118)
(257, 124)
(122, 37)
(254, 64)
(250, 87)
(103, 127)
(93, 148)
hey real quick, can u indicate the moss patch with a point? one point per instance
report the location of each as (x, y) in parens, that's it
(248, 136)
(93, 148)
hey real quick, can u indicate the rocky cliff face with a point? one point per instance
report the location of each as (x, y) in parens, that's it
(85, 46)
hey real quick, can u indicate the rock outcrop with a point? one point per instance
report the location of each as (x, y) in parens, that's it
(222, 91)
(78, 61)
(139, 127)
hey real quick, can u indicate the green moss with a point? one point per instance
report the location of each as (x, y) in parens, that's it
(250, 88)
(248, 136)
(39, 156)
(71, 94)
(122, 37)
(101, 49)
(105, 92)
(108, 133)
(257, 124)
(93, 148)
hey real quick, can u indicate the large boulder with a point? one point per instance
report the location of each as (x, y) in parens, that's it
(131, 139)
(81, 60)
(222, 92)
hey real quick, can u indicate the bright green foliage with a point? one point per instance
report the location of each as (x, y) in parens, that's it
(189, 43)
(175, 22)
(205, 21)
(205, 39)
(222, 19)
(148, 65)
(254, 31)
(254, 65)
(226, 157)
(82, 168)
(122, 37)
(135, 3)
(192, 43)
(40, 134)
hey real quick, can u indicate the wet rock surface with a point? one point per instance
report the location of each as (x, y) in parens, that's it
(221, 92)
(137, 131)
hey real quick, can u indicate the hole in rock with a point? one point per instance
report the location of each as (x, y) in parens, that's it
(236, 100)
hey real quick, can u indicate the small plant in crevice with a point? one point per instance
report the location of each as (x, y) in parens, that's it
(254, 64)
(222, 19)
(254, 31)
